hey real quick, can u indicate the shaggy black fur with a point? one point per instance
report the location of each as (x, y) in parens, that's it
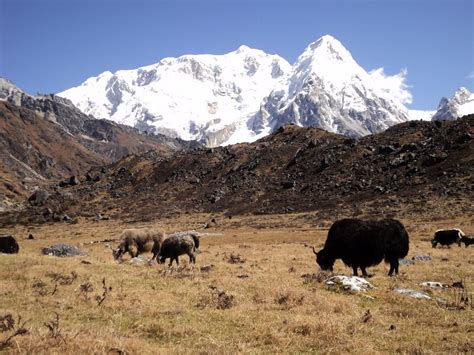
(364, 243)
(8, 245)
(447, 237)
(176, 245)
(467, 240)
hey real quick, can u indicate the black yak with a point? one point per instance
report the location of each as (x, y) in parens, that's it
(364, 243)
(467, 240)
(8, 245)
(138, 241)
(178, 244)
(447, 237)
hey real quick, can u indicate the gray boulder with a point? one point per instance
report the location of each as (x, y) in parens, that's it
(62, 250)
(38, 198)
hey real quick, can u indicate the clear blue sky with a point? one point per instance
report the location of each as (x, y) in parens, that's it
(51, 45)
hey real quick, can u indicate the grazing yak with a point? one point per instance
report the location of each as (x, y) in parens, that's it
(364, 243)
(447, 237)
(178, 244)
(138, 241)
(8, 245)
(467, 240)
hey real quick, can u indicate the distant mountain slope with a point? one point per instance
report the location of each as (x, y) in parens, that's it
(461, 104)
(46, 137)
(413, 168)
(244, 95)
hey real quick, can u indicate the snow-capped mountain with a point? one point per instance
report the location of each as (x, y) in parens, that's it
(461, 104)
(194, 97)
(328, 89)
(246, 94)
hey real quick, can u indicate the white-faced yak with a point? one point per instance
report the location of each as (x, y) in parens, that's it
(360, 244)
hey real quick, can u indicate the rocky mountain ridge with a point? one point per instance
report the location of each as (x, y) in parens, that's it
(413, 168)
(45, 138)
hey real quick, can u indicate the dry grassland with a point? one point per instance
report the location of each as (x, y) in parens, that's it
(245, 294)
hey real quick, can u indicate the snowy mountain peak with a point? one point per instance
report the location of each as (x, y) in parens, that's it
(461, 104)
(243, 95)
(328, 89)
(195, 97)
(462, 94)
(327, 48)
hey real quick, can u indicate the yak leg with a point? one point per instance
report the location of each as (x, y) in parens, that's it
(133, 251)
(393, 267)
(155, 251)
(192, 258)
(354, 268)
(364, 272)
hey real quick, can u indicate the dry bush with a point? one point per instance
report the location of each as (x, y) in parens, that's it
(234, 258)
(303, 329)
(105, 291)
(288, 299)
(40, 287)
(217, 299)
(54, 330)
(11, 329)
(85, 289)
(62, 279)
(318, 277)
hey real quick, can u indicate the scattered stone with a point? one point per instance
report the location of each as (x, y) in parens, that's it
(243, 276)
(321, 276)
(71, 181)
(434, 284)
(406, 262)
(352, 284)
(63, 250)
(38, 198)
(234, 258)
(207, 268)
(85, 262)
(100, 217)
(141, 260)
(413, 293)
(30, 237)
(422, 258)
(392, 327)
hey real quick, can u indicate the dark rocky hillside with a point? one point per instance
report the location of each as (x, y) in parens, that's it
(415, 168)
(46, 138)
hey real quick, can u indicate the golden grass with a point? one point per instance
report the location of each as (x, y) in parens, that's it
(259, 305)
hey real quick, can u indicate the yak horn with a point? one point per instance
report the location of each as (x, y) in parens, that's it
(314, 251)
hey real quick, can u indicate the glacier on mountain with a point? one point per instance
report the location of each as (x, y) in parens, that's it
(246, 94)
(195, 97)
(461, 104)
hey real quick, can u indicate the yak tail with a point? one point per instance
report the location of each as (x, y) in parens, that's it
(196, 240)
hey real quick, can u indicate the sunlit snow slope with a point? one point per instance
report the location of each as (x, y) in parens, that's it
(246, 94)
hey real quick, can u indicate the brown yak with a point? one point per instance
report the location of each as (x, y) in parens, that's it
(138, 241)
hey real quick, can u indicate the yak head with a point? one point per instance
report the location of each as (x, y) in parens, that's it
(324, 260)
(117, 253)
